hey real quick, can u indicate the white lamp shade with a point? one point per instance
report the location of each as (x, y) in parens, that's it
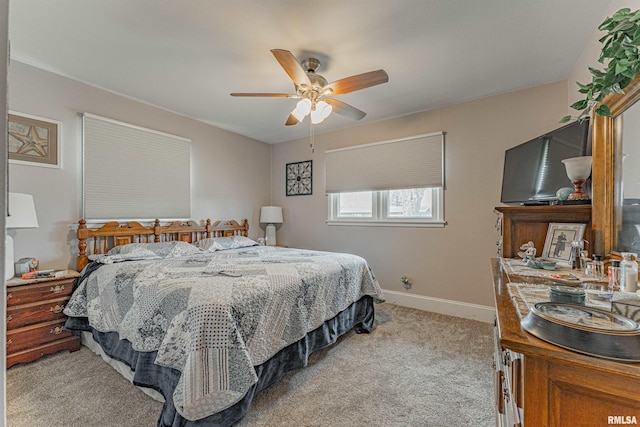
(271, 215)
(302, 109)
(22, 214)
(578, 167)
(22, 211)
(325, 109)
(316, 116)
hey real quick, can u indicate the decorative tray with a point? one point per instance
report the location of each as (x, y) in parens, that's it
(586, 330)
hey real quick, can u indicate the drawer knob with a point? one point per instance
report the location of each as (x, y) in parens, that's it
(9, 342)
(56, 331)
(57, 308)
(9, 295)
(9, 318)
(57, 289)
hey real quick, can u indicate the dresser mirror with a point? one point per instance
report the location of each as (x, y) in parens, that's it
(627, 160)
(616, 175)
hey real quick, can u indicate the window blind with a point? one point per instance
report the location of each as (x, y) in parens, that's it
(415, 162)
(130, 172)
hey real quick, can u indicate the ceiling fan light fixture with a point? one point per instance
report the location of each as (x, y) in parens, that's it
(325, 109)
(312, 88)
(320, 113)
(316, 117)
(302, 109)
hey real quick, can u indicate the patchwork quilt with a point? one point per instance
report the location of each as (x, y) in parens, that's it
(215, 315)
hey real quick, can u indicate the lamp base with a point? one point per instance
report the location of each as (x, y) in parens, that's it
(270, 235)
(578, 194)
(8, 257)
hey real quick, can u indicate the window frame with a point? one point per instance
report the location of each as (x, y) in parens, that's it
(380, 201)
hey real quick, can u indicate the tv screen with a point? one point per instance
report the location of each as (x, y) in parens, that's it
(533, 171)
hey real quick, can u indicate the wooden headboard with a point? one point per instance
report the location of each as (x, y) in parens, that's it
(100, 240)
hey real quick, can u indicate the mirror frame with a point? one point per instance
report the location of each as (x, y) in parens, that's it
(604, 185)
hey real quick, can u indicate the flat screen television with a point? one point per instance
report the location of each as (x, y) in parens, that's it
(533, 171)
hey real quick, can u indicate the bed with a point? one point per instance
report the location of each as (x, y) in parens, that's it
(207, 318)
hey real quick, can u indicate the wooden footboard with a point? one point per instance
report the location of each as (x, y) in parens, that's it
(92, 241)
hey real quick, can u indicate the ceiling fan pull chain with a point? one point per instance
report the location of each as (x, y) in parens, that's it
(311, 136)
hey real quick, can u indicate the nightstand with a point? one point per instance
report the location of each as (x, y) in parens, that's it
(35, 321)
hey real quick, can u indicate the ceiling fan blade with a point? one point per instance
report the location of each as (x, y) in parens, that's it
(271, 95)
(357, 82)
(291, 120)
(291, 67)
(345, 109)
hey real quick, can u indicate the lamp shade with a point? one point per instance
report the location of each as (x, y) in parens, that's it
(578, 167)
(22, 214)
(271, 215)
(22, 211)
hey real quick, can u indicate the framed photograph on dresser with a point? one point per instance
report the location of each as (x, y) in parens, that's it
(557, 245)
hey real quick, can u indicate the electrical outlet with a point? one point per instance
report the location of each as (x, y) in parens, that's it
(406, 282)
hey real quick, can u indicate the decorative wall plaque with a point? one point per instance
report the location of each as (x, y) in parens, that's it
(299, 178)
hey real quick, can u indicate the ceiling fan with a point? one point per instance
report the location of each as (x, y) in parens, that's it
(315, 92)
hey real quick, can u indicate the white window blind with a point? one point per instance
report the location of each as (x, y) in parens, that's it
(415, 162)
(130, 172)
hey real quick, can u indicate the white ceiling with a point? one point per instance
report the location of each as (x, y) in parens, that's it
(187, 56)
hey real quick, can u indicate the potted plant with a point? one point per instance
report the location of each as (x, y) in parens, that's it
(621, 50)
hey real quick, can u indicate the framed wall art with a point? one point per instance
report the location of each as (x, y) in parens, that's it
(33, 141)
(299, 176)
(557, 245)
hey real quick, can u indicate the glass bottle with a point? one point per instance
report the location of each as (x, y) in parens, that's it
(574, 258)
(629, 272)
(614, 276)
(597, 266)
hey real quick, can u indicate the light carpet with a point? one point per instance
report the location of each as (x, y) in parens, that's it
(415, 369)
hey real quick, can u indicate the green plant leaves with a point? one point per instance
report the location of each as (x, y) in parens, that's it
(621, 49)
(580, 105)
(603, 110)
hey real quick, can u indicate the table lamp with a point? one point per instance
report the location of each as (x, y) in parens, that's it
(21, 214)
(578, 170)
(270, 215)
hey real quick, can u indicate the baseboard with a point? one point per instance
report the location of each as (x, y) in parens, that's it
(465, 310)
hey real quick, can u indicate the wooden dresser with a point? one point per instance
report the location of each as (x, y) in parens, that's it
(542, 385)
(35, 319)
(521, 224)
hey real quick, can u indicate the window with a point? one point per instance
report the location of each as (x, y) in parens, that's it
(417, 206)
(403, 179)
(130, 172)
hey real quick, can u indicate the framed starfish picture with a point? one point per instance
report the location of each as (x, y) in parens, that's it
(33, 141)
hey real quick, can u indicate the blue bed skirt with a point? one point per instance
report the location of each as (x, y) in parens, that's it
(358, 316)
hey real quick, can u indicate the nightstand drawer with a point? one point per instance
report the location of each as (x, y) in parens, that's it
(37, 312)
(39, 292)
(31, 336)
(71, 343)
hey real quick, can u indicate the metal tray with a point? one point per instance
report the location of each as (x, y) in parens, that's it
(585, 330)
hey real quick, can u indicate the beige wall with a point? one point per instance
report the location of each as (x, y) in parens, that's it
(450, 263)
(229, 173)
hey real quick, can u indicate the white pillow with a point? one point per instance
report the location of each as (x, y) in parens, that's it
(213, 244)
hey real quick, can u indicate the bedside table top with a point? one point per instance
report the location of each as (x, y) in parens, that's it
(16, 281)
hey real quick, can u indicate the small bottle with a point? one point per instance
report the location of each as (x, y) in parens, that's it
(574, 258)
(629, 272)
(614, 276)
(597, 266)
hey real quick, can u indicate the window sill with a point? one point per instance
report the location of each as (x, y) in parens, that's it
(432, 224)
